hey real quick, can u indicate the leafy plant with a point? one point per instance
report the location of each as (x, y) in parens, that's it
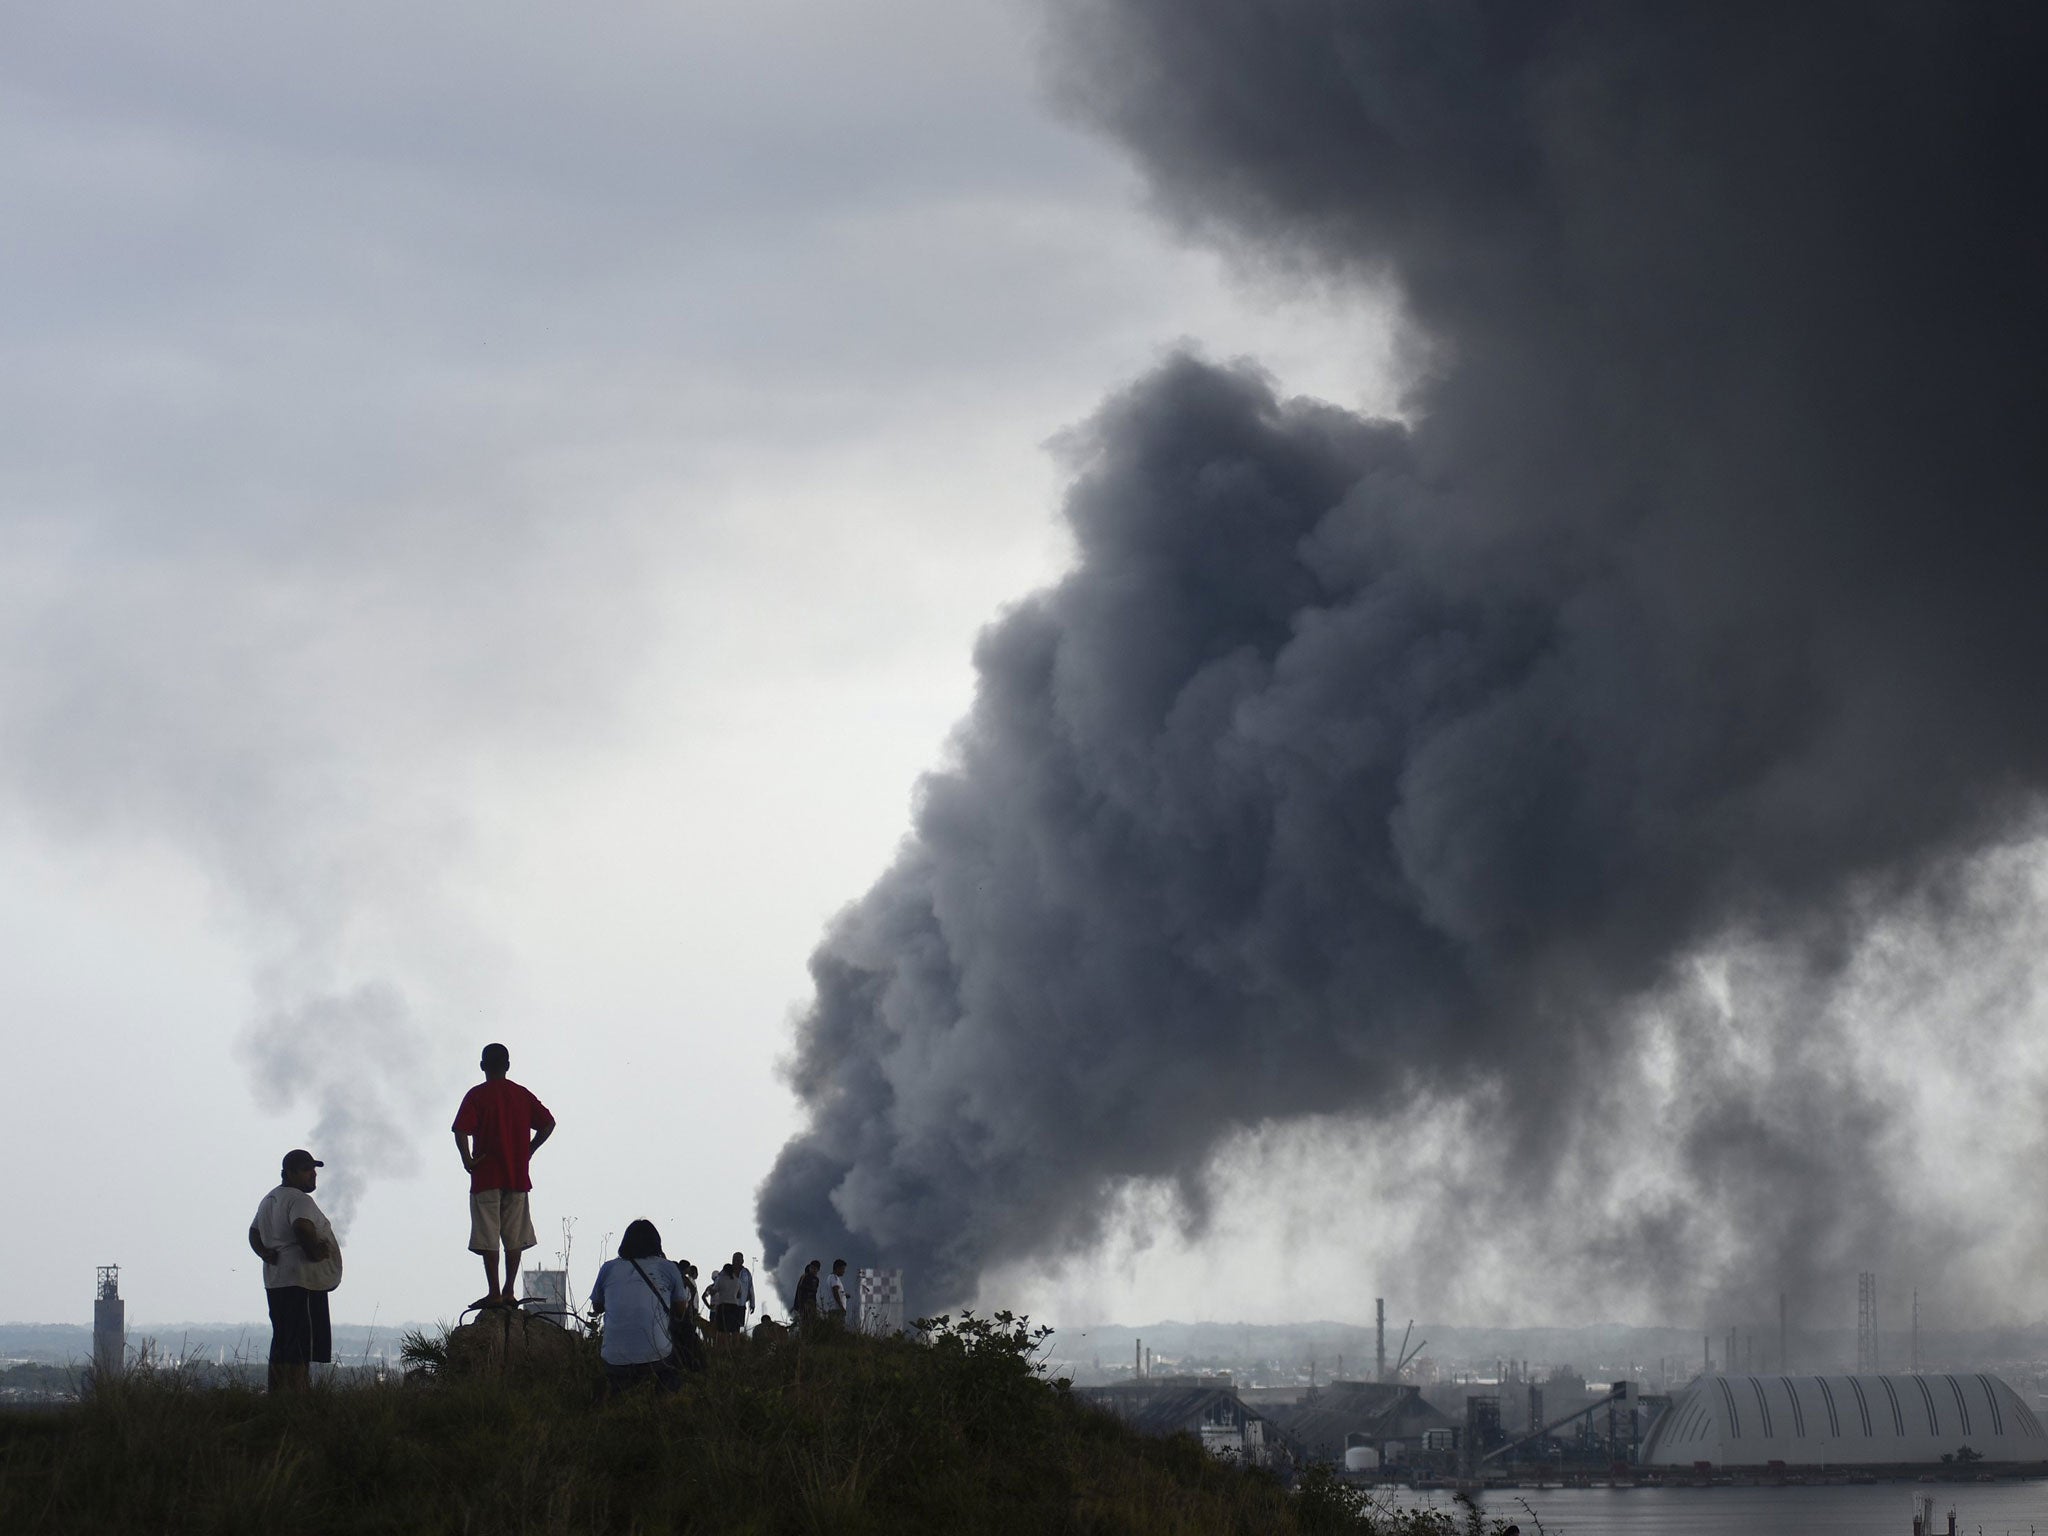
(421, 1351)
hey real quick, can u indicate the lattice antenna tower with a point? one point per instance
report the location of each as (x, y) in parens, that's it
(1866, 1324)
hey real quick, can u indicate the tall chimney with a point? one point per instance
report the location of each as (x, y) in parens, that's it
(109, 1324)
(1380, 1339)
(1784, 1339)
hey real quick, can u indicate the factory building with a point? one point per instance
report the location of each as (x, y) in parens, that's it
(1206, 1408)
(1845, 1421)
(1389, 1418)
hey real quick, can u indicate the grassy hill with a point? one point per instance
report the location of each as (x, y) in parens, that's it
(825, 1433)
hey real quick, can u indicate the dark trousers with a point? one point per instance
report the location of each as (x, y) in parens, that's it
(622, 1378)
(300, 1331)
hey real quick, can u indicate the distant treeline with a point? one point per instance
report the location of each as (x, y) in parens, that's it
(71, 1343)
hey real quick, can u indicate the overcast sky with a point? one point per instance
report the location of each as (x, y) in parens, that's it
(495, 506)
(497, 503)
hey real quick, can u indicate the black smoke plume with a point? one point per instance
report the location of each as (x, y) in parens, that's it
(1698, 599)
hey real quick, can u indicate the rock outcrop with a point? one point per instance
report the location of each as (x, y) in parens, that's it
(505, 1341)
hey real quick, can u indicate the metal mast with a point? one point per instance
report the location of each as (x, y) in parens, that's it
(1866, 1324)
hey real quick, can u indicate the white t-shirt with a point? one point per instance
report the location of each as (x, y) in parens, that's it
(745, 1282)
(835, 1293)
(279, 1209)
(635, 1317)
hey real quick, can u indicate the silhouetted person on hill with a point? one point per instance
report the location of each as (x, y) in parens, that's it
(835, 1293)
(745, 1279)
(806, 1303)
(491, 1132)
(724, 1295)
(301, 1264)
(689, 1288)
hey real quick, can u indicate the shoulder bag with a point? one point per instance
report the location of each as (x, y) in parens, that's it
(683, 1342)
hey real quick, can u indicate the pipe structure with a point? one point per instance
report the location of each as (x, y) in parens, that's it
(1619, 1392)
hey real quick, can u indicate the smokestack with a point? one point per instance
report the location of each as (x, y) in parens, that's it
(1379, 1357)
(1784, 1338)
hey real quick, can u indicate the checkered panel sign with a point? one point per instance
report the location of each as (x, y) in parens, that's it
(881, 1301)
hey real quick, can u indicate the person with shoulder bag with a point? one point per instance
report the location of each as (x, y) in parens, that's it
(641, 1297)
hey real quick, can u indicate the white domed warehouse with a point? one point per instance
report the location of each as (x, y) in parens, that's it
(1843, 1421)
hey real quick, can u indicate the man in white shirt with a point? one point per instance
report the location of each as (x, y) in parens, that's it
(301, 1264)
(835, 1292)
(745, 1276)
(726, 1298)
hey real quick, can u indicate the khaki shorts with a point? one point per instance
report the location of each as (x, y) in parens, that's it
(498, 1217)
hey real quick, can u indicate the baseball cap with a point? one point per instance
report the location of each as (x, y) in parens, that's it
(299, 1157)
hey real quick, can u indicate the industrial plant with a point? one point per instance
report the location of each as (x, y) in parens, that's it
(1437, 1422)
(1904, 1422)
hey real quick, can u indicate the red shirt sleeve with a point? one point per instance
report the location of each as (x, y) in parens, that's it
(538, 1117)
(465, 1117)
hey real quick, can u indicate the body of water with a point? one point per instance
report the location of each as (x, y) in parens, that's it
(1881, 1509)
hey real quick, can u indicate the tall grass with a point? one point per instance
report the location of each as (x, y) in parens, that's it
(819, 1433)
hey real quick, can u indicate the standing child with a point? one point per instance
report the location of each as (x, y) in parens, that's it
(491, 1133)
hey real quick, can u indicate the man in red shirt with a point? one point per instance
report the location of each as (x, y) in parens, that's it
(491, 1133)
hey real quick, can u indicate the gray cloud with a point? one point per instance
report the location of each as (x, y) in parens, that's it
(376, 378)
(1698, 606)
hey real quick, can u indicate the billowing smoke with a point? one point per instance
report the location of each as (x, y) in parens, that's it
(1695, 609)
(357, 1057)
